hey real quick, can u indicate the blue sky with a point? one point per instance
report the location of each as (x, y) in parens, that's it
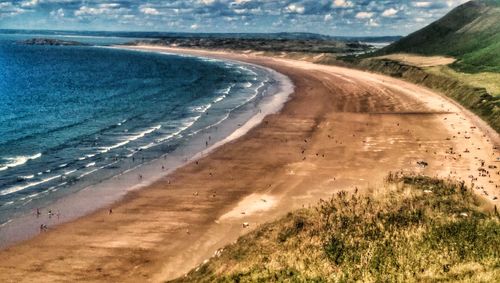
(334, 17)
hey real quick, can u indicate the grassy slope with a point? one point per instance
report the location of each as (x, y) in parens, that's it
(420, 229)
(488, 80)
(471, 33)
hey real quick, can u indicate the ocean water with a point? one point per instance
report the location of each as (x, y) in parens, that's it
(71, 117)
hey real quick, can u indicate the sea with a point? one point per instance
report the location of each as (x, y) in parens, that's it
(73, 117)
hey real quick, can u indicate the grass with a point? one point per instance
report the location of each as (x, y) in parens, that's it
(488, 80)
(416, 229)
(481, 57)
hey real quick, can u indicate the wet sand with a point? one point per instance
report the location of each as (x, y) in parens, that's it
(342, 129)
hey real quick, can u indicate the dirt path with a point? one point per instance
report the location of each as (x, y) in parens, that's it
(341, 129)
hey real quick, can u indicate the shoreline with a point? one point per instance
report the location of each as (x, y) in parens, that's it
(107, 192)
(342, 129)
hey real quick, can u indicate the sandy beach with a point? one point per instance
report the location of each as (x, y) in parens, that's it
(342, 129)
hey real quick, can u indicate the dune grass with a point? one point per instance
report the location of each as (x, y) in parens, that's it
(488, 80)
(416, 229)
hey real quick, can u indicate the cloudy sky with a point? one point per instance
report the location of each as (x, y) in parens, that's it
(334, 17)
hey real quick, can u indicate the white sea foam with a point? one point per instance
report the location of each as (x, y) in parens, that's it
(130, 139)
(201, 108)
(219, 98)
(225, 92)
(87, 173)
(51, 189)
(18, 160)
(6, 222)
(256, 92)
(90, 164)
(27, 177)
(228, 89)
(246, 69)
(69, 172)
(149, 145)
(26, 186)
(252, 97)
(212, 125)
(185, 125)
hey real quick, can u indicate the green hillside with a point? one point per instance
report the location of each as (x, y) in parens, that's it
(470, 32)
(417, 229)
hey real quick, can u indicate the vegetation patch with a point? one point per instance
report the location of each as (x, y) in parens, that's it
(414, 229)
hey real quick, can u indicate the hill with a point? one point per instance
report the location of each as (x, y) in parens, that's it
(418, 230)
(470, 33)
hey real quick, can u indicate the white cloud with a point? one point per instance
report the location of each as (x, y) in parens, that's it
(391, 12)
(7, 9)
(295, 8)
(342, 3)
(213, 15)
(109, 9)
(149, 11)
(109, 5)
(4, 5)
(452, 3)
(238, 2)
(195, 26)
(59, 13)
(207, 2)
(84, 10)
(372, 23)
(30, 3)
(422, 4)
(364, 15)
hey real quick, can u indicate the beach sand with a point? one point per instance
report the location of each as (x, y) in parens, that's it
(342, 129)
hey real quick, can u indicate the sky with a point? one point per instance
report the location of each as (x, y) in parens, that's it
(332, 17)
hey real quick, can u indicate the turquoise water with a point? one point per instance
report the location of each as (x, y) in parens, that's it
(73, 116)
